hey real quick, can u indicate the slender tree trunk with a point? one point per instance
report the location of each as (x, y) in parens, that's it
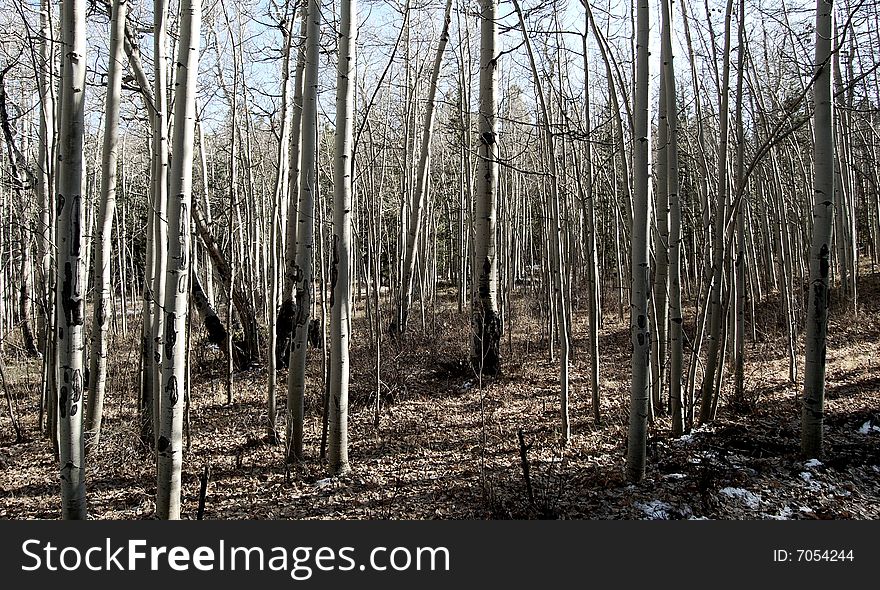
(420, 192)
(675, 313)
(287, 311)
(590, 200)
(639, 323)
(45, 183)
(169, 445)
(740, 261)
(713, 359)
(104, 239)
(340, 299)
(487, 328)
(71, 286)
(281, 182)
(304, 239)
(823, 213)
(557, 252)
(660, 302)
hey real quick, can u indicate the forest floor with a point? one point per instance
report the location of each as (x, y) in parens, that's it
(447, 446)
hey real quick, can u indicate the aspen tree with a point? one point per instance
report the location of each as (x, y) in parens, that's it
(675, 313)
(340, 285)
(556, 248)
(639, 322)
(420, 192)
(302, 270)
(104, 238)
(281, 183)
(45, 189)
(740, 260)
(823, 213)
(169, 445)
(590, 200)
(714, 362)
(71, 283)
(287, 309)
(45, 153)
(486, 323)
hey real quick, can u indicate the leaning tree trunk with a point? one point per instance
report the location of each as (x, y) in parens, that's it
(639, 326)
(486, 322)
(302, 271)
(823, 212)
(420, 194)
(71, 284)
(340, 298)
(216, 331)
(245, 355)
(104, 239)
(169, 444)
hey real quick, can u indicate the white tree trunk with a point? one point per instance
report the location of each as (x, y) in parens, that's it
(303, 271)
(169, 445)
(416, 211)
(486, 354)
(639, 325)
(823, 214)
(71, 283)
(675, 314)
(340, 298)
(714, 362)
(104, 238)
(287, 310)
(276, 227)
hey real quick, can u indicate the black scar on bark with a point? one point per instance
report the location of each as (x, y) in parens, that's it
(67, 293)
(100, 312)
(334, 270)
(62, 401)
(170, 336)
(171, 391)
(162, 444)
(76, 386)
(823, 261)
(283, 331)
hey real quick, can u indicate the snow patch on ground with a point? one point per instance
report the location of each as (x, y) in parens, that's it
(323, 483)
(812, 464)
(748, 498)
(655, 509)
(674, 476)
(868, 428)
(784, 514)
